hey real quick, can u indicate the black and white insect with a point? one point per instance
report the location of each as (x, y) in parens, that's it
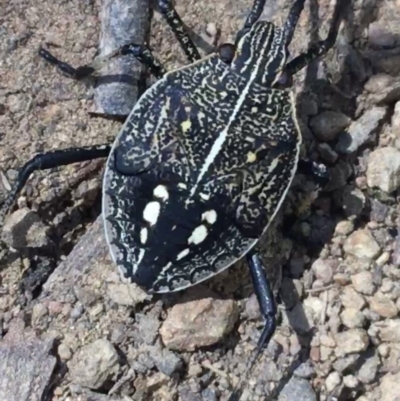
(205, 159)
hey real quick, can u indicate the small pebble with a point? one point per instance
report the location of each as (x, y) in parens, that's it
(383, 306)
(64, 352)
(363, 282)
(368, 370)
(352, 299)
(384, 169)
(350, 381)
(352, 318)
(362, 245)
(351, 341)
(332, 381)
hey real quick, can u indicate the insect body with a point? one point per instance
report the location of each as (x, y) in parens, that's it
(201, 166)
(204, 160)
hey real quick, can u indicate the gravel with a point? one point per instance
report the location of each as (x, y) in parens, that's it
(336, 268)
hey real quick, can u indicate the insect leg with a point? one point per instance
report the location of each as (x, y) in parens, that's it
(319, 172)
(140, 52)
(50, 160)
(255, 13)
(292, 19)
(323, 46)
(175, 22)
(268, 310)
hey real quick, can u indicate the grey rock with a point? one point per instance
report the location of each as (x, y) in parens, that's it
(332, 381)
(390, 387)
(252, 307)
(198, 323)
(383, 305)
(328, 124)
(379, 211)
(25, 229)
(396, 251)
(118, 334)
(166, 361)
(386, 331)
(353, 201)
(146, 328)
(94, 364)
(304, 371)
(351, 299)
(368, 370)
(346, 362)
(363, 282)
(361, 131)
(351, 341)
(297, 389)
(384, 169)
(352, 318)
(362, 245)
(327, 153)
(380, 36)
(126, 294)
(323, 270)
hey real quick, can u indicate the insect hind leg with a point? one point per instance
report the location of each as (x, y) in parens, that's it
(292, 20)
(268, 311)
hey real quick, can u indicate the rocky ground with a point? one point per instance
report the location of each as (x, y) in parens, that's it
(336, 270)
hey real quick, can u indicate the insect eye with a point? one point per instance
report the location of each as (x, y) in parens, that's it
(226, 52)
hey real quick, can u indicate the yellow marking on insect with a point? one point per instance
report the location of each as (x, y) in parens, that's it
(151, 212)
(251, 157)
(199, 234)
(182, 254)
(143, 235)
(210, 216)
(254, 109)
(186, 126)
(223, 95)
(182, 185)
(161, 192)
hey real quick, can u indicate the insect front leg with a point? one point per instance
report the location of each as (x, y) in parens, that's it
(254, 14)
(292, 20)
(323, 46)
(141, 52)
(175, 22)
(49, 160)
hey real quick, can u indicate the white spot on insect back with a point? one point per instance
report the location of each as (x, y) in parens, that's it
(151, 212)
(182, 254)
(204, 196)
(161, 192)
(143, 235)
(199, 234)
(210, 216)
